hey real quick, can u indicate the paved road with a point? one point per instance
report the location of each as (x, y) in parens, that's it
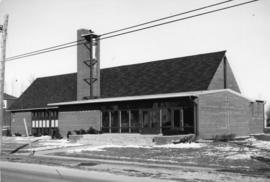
(19, 172)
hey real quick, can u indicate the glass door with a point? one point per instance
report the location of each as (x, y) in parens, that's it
(177, 115)
(150, 121)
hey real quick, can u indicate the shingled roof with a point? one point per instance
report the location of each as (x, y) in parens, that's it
(9, 97)
(192, 73)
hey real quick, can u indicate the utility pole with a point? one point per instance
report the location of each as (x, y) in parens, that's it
(3, 30)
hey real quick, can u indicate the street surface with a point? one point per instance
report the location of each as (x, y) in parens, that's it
(19, 172)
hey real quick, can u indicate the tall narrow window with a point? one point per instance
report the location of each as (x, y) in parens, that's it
(105, 121)
(115, 121)
(56, 123)
(146, 119)
(155, 119)
(135, 121)
(176, 118)
(124, 121)
(52, 123)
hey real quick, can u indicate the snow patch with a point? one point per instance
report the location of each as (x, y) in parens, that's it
(182, 145)
(239, 156)
(103, 147)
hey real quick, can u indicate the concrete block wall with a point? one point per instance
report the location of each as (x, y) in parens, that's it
(225, 113)
(257, 118)
(212, 115)
(76, 120)
(17, 123)
(240, 115)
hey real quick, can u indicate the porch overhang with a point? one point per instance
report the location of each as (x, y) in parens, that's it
(141, 97)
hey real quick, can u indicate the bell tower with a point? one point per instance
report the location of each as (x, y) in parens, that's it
(88, 65)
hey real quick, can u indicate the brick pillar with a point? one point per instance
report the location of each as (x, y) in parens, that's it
(83, 71)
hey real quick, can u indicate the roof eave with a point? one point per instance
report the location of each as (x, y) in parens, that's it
(31, 109)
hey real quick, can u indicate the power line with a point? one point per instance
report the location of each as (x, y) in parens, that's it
(188, 17)
(132, 31)
(115, 31)
(167, 17)
(37, 53)
(57, 47)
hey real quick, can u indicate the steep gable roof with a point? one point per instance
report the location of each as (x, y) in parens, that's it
(9, 97)
(191, 73)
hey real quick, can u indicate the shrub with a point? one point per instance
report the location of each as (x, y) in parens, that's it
(91, 130)
(18, 134)
(8, 132)
(224, 137)
(56, 134)
(80, 132)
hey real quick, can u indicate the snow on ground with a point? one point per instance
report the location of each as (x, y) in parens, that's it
(103, 147)
(242, 156)
(40, 143)
(53, 144)
(182, 145)
(259, 143)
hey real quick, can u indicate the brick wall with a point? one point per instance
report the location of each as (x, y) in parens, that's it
(217, 81)
(225, 113)
(83, 71)
(17, 124)
(75, 120)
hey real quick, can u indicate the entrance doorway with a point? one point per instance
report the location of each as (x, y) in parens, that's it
(150, 121)
(178, 118)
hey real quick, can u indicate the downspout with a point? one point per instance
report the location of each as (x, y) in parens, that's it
(225, 71)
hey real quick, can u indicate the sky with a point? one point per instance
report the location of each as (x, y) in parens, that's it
(35, 24)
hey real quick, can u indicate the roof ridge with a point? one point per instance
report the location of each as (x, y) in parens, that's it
(120, 66)
(56, 75)
(167, 59)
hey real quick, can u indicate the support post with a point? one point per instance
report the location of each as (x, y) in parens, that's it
(3, 29)
(101, 123)
(182, 119)
(129, 121)
(120, 121)
(160, 121)
(110, 121)
(195, 116)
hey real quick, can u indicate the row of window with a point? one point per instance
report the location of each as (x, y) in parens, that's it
(148, 118)
(45, 124)
(112, 118)
(40, 115)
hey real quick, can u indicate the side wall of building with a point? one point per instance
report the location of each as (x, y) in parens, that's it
(17, 122)
(257, 121)
(226, 113)
(76, 120)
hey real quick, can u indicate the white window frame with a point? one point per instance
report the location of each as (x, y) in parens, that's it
(56, 123)
(44, 123)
